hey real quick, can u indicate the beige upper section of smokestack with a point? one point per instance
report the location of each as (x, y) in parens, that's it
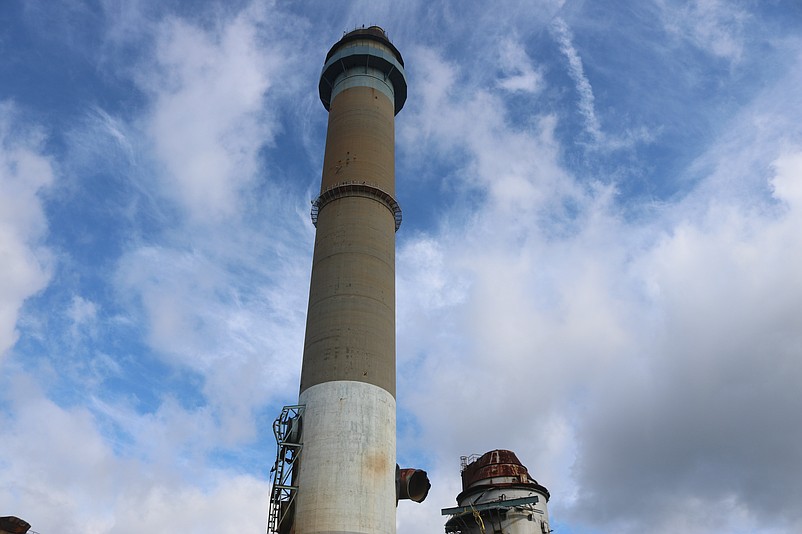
(350, 329)
(360, 144)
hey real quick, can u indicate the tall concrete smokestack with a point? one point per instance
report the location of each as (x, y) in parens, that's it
(345, 474)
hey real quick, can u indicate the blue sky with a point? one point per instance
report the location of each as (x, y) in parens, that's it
(599, 266)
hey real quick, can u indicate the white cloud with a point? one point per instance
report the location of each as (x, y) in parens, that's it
(82, 313)
(199, 315)
(665, 361)
(519, 74)
(490, 304)
(24, 262)
(466, 126)
(61, 474)
(714, 26)
(208, 291)
(710, 406)
(430, 285)
(430, 118)
(626, 361)
(209, 118)
(787, 182)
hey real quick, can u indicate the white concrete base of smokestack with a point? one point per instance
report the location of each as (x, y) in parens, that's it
(347, 468)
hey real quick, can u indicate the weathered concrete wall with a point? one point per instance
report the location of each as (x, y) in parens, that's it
(347, 483)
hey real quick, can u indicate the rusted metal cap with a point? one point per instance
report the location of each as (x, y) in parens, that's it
(494, 464)
(14, 524)
(498, 468)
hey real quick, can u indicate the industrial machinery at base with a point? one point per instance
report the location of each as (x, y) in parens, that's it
(498, 495)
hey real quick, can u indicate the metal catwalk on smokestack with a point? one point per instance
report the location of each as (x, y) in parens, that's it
(337, 471)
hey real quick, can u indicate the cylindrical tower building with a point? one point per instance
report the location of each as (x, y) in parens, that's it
(498, 495)
(346, 473)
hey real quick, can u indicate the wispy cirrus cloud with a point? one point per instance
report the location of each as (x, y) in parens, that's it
(586, 104)
(714, 26)
(600, 139)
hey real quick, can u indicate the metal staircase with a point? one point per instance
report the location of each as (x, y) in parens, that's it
(287, 429)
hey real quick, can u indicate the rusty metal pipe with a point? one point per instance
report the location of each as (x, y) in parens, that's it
(412, 484)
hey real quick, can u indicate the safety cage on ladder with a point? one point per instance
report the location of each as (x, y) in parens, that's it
(288, 429)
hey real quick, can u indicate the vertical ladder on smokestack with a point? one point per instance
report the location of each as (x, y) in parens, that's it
(287, 429)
